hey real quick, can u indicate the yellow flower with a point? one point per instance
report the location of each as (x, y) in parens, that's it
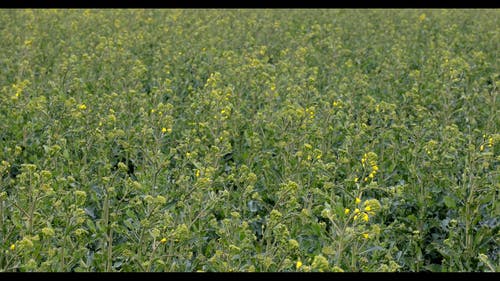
(163, 130)
(197, 173)
(365, 217)
(421, 17)
(481, 148)
(12, 247)
(365, 235)
(346, 211)
(358, 200)
(372, 206)
(163, 240)
(490, 142)
(356, 179)
(298, 265)
(356, 211)
(82, 106)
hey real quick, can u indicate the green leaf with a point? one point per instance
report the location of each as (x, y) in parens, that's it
(66, 154)
(130, 214)
(433, 267)
(91, 226)
(449, 202)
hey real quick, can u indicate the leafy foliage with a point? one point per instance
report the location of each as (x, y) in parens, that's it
(249, 140)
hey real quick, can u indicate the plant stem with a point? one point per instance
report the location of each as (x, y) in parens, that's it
(110, 250)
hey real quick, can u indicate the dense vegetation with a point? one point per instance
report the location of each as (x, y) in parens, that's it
(249, 140)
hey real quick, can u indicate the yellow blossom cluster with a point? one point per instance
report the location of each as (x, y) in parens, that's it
(363, 211)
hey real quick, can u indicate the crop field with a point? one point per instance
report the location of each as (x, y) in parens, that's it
(249, 140)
